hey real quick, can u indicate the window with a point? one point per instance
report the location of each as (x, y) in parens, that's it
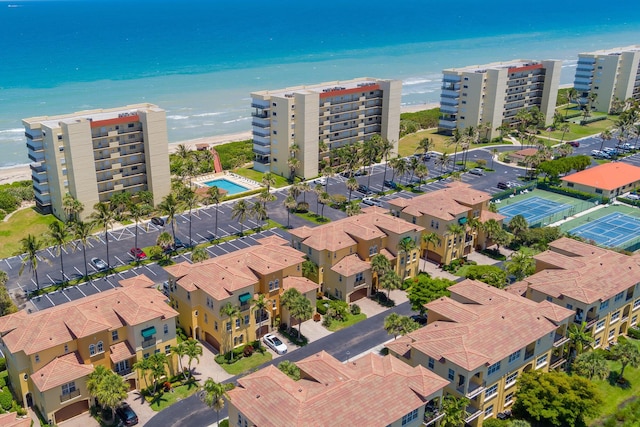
(114, 335)
(619, 297)
(597, 342)
(130, 125)
(215, 325)
(511, 379)
(228, 326)
(270, 286)
(146, 355)
(359, 277)
(37, 357)
(491, 391)
(276, 284)
(167, 349)
(237, 323)
(210, 302)
(615, 317)
(206, 318)
(100, 347)
(514, 356)
(611, 334)
(488, 412)
(493, 368)
(570, 306)
(68, 388)
(156, 351)
(542, 361)
(636, 304)
(92, 350)
(166, 328)
(600, 325)
(452, 374)
(66, 348)
(246, 319)
(604, 304)
(410, 417)
(508, 400)
(634, 320)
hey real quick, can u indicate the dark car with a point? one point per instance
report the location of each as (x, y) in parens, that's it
(157, 221)
(137, 253)
(419, 319)
(574, 143)
(502, 185)
(365, 190)
(127, 415)
(390, 184)
(177, 243)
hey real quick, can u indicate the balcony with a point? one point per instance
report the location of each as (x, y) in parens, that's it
(556, 361)
(591, 320)
(38, 168)
(473, 390)
(124, 372)
(37, 156)
(472, 413)
(35, 145)
(447, 123)
(450, 93)
(528, 354)
(69, 396)
(261, 124)
(431, 417)
(148, 342)
(558, 340)
(260, 106)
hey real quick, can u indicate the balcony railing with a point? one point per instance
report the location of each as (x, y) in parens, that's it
(528, 355)
(472, 413)
(149, 342)
(431, 417)
(558, 340)
(69, 396)
(472, 391)
(556, 361)
(124, 372)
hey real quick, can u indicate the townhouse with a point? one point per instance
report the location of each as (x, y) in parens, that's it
(599, 286)
(440, 211)
(370, 391)
(317, 119)
(199, 292)
(481, 339)
(50, 353)
(343, 249)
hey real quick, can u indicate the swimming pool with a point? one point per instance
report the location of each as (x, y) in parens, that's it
(228, 186)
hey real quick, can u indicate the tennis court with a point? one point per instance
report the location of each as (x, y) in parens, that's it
(534, 209)
(616, 229)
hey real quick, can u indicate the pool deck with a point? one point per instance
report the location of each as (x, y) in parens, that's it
(249, 184)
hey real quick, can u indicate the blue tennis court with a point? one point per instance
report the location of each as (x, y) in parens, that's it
(533, 209)
(612, 230)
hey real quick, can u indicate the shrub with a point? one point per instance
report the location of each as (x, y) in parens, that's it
(327, 321)
(322, 306)
(3, 382)
(355, 309)
(302, 207)
(154, 252)
(8, 202)
(494, 422)
(634, 333)
(592, 119)
(235, 153)
(3, 364)
(224, 423)
(319, 295)
(6, 399)
(248, 350)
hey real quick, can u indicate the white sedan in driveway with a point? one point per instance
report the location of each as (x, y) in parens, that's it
(275, 344)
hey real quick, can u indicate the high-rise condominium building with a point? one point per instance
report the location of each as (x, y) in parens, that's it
(313, 120)
(95, 154)
(491, 95)
(608, 74)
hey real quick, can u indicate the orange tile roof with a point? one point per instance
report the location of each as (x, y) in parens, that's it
(61, 370)
(121, 351)
(487, 215)
(11, 419)
(584, 272)
(372, 223)
(302, 284)
(607, 176)
(350, 265)
(139, 281)
(490, 325)
(221, 276)
(383, 389)
(64, 323)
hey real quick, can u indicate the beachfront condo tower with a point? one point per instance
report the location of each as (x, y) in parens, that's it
(95, 154)
(608, 75)
(296, 129)
(489, 96)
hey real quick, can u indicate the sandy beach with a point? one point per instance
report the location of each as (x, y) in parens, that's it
(23, 172)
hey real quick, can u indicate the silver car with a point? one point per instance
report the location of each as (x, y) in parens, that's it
(99, 264)
(275, 344)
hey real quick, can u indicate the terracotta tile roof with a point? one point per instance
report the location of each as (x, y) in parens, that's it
(350, 265)
(302, 284)
(139, 281)
(490, 325)
(518, 288)
(11, 419)
(61, 324)
(607, 176)
(445, 204)
(221, 276)
(487, 215)
(383, 389)
(61, 370)
(121, 351)
(584, 272)
(387, 254)
(372, 223)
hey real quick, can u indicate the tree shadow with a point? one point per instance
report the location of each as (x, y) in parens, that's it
(615, 380)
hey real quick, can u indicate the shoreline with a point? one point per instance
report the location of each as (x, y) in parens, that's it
(23, 172)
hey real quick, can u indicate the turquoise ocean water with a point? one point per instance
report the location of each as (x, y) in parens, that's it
(200, 59)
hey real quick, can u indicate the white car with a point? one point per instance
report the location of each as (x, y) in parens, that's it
(321, 181)
(371, 201)
(99, 264)
(275, 344)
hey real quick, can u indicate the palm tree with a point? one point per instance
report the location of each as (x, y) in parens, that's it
(259, 212)
(103, 216)
(564, 128)
(214, 196)
(165, 241)
(430, 238)
(443, 161)
(627, 354)
(318, 189)
(232, 312)
(401, 168)
(309, 268)
(143, 365)
(112, 391)
(158, 365)
(414, 163)
(215, 395)
(179, 351)
(425, 144)
(59, 235)
(390, 281)
(591, 364)
(580, 337)
(72, 207)
(199, 254)
(323, 198)
(268, 180)
(137, 211)
(302, 310)
(95, 378)
(264, 197)
(30, 246)
(572, 95)
(82, 232)
(289, 204)
(352, 184)
(240, 211)
(190, 199)
(288, 300)
(327, 172)
(193, 351)
(520, 265)
(170, 206)
(605, 135)
(380, 264)
(353, 208)
(384, 149)
(455, 411)
(405, 246)
(293, 164)
(491, 228)
(304, 187)
(455, 140)
(421, 172)
(259, 305)
(518, 225)
(394, 164)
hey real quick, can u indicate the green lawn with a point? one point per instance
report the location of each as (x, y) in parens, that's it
(257, 176)
(247, 363)
(21, 223)
(351, 320)
(408, 144)
(164, 399)
(615, 395)
(313, 217)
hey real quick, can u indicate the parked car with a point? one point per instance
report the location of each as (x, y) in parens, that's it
(513, 184)
(633, 196)
(360, 172)
(502, 185)
(137, 253)
(365, 190)
(419, 319)
(476, 171)
(127, 415)
(625, 146)
(275, 344)
(156, 220)
(177, 243)
(574, 143)
(600, 154)
(99, 264)
(322, 181)
(390, 184)
(371, 201)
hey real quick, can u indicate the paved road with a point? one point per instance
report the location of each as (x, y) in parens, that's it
(356, 339)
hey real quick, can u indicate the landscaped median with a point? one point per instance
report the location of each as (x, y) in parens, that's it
(173, 390)
(338, 314)
(245, 358)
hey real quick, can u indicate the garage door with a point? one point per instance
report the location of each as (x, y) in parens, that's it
(211, 340)
(359, 294)
(71, 411)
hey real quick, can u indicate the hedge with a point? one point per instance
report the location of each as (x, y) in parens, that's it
(572, 116)
(6, 398)
(628, 201)
(634, 333)
(592, 120)
(570, 192)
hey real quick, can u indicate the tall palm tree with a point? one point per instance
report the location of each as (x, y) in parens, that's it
(288, 300)
(518, 225)
(259, 212)
(591, 364)
(143, 365)
(327, 172)
(264, 197)
(302, 310)
(443, 161)
(165, 241)
(214, 196)
(103, 216)
(30, 246)
(564, 128)
(323, 198)
(380, 264)
(491, 228)
(352, 184)
(421, 173)
(215, 395)
(405, 247)
(580, 337)
(457, 231)
(59, 235)
(112, 391)
(430, 238)
(240, 211)
(268, 180)
(605, 135)
(72, 207)
(572, 95)
(179, 351)
(401, 168)
(231, 311)
(384, 148)
(293, 164)
(289, 204)
(390, 281)
(455, 140)
(82, 233)
(455, 410)
(137, 211)
(189, 198)
(414, 163)
(353, 208)
(199, 254)
(259, 305)
(158, 367)
(193, 351)
(170, 206)
(626, 353)
(304, 188)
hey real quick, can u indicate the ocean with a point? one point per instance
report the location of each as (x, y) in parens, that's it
(200, 59)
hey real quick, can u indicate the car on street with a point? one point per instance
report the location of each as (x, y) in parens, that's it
(625, 146)
(127, 415)
(137, 253)
(365, 190)
(360, 172)
(156, 220)
(322, 181)
(177, 243)
(371, 201)
(476, 171)
(390, 184)
(513, 184)
(502, 185)
(275, 344)
(99, 264)
(420, 319)
(633, 196)
(575, 144)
